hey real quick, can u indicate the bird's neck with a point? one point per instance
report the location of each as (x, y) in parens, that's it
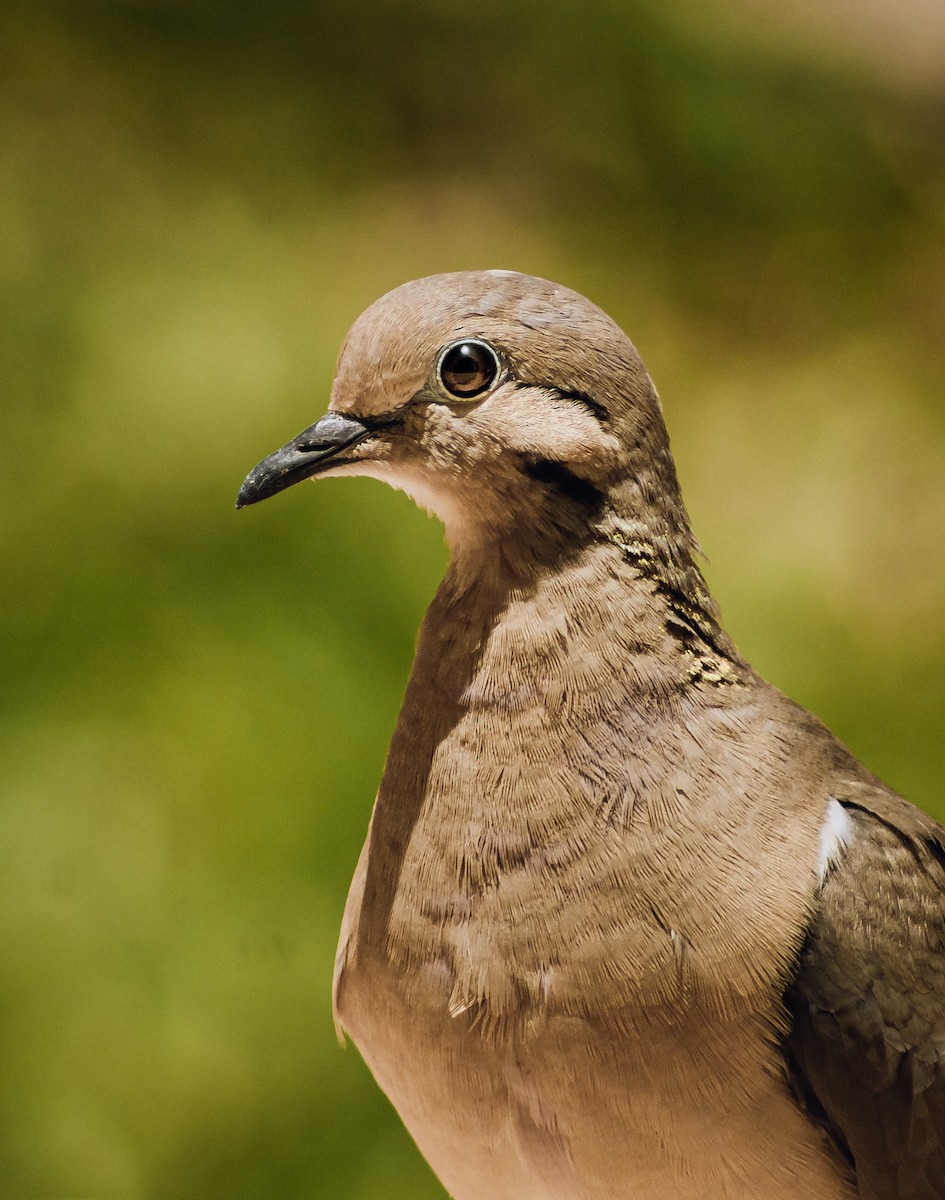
(603, 573)
(547, 659)
(537, 705)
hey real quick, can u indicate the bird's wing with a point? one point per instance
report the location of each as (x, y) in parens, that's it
(866, 1047)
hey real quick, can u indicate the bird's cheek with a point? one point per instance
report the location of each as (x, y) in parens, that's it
(579, 444)
(544, 426)
(601, 459)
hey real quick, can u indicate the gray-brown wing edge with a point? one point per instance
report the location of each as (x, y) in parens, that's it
(866, 1045)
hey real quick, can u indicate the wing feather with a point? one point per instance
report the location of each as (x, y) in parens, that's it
(866, 1048)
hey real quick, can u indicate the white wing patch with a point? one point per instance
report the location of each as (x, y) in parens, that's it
(836, 834)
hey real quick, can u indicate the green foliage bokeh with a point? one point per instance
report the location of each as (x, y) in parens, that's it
(196, 200)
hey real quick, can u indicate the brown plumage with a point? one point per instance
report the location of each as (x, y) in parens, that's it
(627, 922)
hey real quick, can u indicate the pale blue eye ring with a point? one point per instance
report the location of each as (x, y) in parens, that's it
(467, 368)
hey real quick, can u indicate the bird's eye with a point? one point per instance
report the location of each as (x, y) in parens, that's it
(467, 368)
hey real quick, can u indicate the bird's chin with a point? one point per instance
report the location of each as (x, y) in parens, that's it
(422, 492)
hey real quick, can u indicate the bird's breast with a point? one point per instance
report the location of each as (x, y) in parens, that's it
(549, 1104)
(568, 935)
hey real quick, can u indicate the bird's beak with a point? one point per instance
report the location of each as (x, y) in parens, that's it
(306, 455)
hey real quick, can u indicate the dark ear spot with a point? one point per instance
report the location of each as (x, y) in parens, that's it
(557, 476)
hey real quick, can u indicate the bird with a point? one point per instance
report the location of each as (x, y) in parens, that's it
(628, 922)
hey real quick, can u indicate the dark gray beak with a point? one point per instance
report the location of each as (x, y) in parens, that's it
(303, 457)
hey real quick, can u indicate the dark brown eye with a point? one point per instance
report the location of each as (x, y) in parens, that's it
(467, 368)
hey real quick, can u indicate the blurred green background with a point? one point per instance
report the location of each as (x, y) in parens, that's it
(196, 200)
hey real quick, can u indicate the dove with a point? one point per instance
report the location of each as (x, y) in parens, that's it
(628, 922)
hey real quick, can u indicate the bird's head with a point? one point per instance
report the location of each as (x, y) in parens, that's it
(497, 400)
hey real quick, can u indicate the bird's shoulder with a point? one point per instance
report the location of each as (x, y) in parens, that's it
(866, 1045)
